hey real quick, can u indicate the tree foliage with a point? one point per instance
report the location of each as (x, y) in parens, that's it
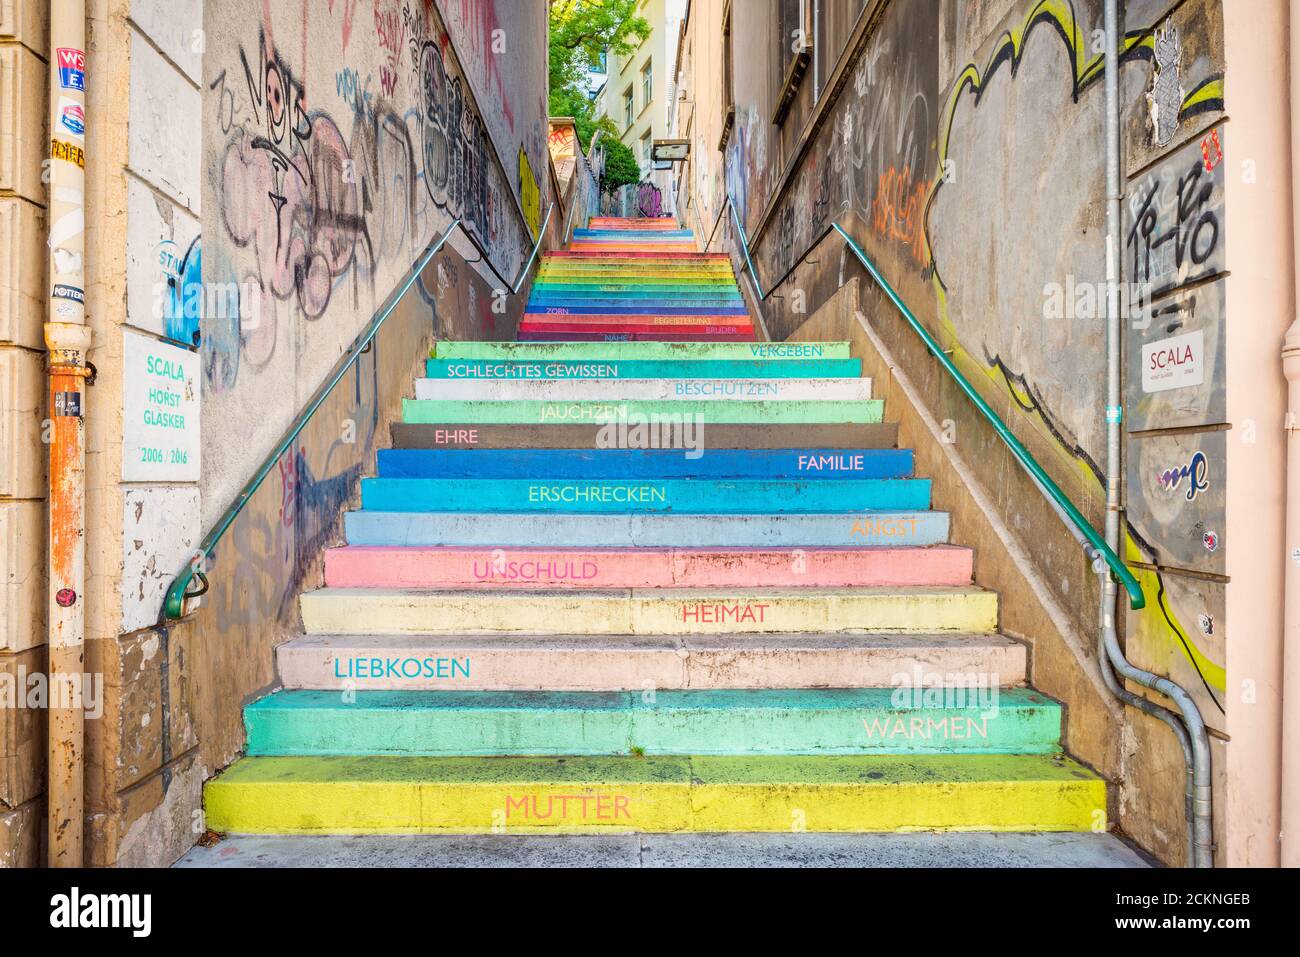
(581, 32)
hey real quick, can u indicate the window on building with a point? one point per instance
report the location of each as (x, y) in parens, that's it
(728, 80)
(836, 21)
(647, 83)
(629, 108)
(646, 148)
(794, 38)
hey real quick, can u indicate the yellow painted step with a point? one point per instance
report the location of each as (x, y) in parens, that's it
(575, 795)
(379, 611)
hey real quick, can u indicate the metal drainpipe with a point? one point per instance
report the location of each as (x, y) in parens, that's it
(1291, 628)
(1194, 739)
(67, 337)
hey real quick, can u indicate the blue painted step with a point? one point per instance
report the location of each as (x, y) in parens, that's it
(689, 496)
(647, 530)
(830, 464)
(644, 369)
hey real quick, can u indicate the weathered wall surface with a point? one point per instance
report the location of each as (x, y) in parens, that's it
(339, 139)
(23, 143)
(962, 144)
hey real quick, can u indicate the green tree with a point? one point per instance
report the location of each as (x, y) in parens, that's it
(581, 32)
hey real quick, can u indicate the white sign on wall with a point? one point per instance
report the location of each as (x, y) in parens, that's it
(1174, 363)
(160, 429)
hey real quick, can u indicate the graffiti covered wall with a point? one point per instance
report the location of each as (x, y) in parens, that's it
(339, 139)
(962, 144)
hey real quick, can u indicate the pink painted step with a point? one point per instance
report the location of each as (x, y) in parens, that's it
(447, 567)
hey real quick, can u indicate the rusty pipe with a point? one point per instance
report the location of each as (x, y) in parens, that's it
(67, 339)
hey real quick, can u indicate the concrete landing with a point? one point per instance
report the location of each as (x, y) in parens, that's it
(949, 850)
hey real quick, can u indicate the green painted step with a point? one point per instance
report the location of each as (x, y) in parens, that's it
(640, 350)
(781, 721)
(436, 411)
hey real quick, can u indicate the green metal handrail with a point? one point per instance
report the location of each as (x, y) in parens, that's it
(1064, 506)
(1121, 572)
(178, 591)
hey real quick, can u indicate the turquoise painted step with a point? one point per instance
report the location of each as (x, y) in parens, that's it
(646, 530)
(624, 235)
(796, 721)
(435, 411)
(645, 369)
(610, 351)
(825, 464)
(683, 496)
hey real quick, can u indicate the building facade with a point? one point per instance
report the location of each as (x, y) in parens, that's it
(641, 88)
(961, 145)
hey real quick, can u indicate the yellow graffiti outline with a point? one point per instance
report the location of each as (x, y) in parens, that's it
(972, 81)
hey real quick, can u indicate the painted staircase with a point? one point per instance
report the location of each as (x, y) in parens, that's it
(542, 623)
(635, 280)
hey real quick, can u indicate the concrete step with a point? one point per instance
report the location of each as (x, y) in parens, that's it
(706, 369)
(614, 351)
(753, 611)
(642, 390)
(946, 849)
(567, 662)
(598, 232)
(655, 793)
(578, 291)
(647, 530)
(702, 334)
(642, 312)
(592, 464)
(742, 412)
(392, 567)
(641, 308)
(879, 435)
(693, 496)
(778, 721)
(636, 246)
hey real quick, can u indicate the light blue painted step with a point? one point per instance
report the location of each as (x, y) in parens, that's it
(779, 721)
(645, 369)
(647, 530)
(644, 390)
(823, 464)
(686, 496)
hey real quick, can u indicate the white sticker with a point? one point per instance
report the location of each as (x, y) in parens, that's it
(160, 431)
(1175, 363)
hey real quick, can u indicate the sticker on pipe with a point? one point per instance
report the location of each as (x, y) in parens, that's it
(72, 68)
(72, 117)
(1175, 363)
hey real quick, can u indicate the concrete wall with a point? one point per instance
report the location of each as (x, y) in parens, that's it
(962, 145)
(338, 142)
(259, 178)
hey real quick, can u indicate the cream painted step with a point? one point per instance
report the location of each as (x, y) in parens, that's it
(630, 663)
